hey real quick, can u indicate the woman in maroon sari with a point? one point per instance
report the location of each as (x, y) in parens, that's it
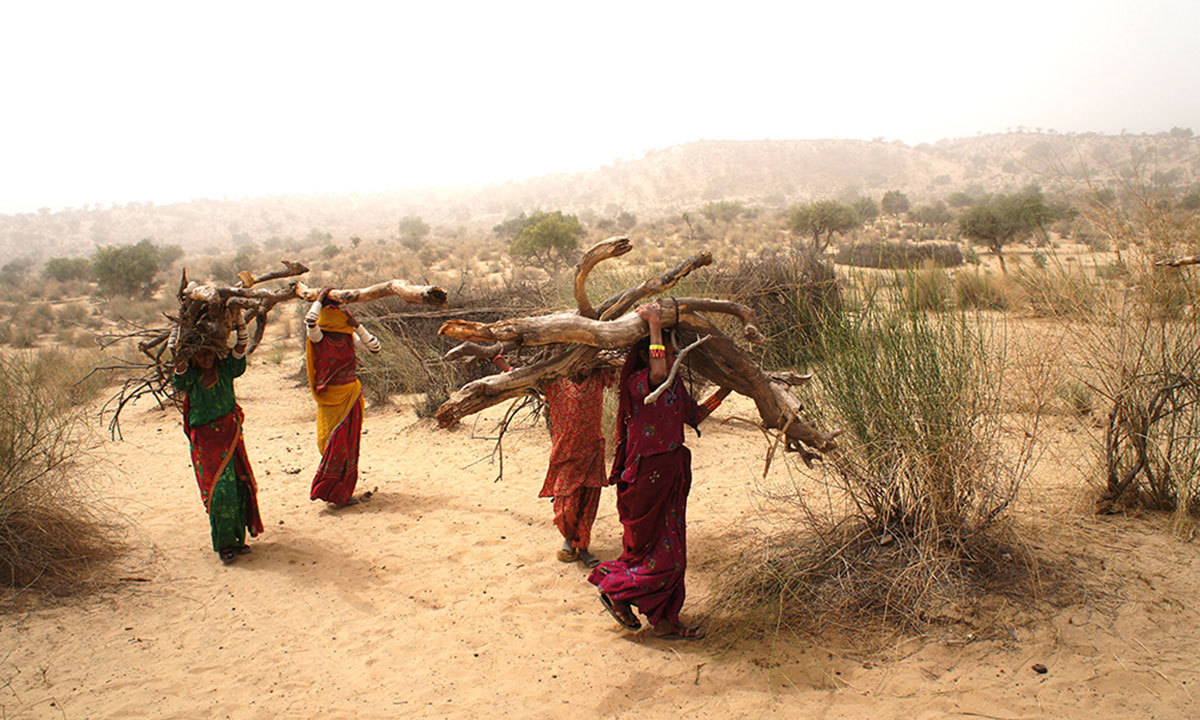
(653, 472)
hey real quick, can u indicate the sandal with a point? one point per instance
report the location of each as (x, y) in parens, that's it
(629, 623)
(227, 555)
(242, 549)
(567, 556)
(684, 632)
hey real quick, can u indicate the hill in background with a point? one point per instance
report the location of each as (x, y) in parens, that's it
(767, 173)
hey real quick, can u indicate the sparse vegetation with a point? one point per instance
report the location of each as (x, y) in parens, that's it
(51, 538)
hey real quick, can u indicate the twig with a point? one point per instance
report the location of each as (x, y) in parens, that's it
(652, 397)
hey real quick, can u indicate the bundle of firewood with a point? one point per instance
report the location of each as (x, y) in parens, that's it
(208, 312)
(574, 340)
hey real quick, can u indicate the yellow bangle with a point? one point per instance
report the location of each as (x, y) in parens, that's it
(658, 347)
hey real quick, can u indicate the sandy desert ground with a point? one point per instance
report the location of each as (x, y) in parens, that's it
(441, 597)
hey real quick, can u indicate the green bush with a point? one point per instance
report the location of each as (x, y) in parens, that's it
(127, 270)
(66, 269)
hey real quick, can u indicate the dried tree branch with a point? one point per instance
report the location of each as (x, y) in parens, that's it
(603, 250)
(417, 294)
(652, 397)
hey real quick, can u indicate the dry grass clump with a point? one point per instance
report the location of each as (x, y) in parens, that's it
(982, 290)
(913, 527)
(1057, 291)
(50, 540)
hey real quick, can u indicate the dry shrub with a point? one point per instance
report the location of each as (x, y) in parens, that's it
(900, 255)
(52, 540)
(412, 363)
(914, 530)
(1143, 354)
(791, 293)
(1147, 369)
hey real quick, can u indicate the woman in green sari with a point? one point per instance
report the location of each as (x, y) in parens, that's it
(212, 421)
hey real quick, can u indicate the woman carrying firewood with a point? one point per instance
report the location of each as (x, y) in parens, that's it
(575, 472)
(212, 420)
(332, 334)
(653, 472)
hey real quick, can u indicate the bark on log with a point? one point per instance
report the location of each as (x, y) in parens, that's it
(420, 294)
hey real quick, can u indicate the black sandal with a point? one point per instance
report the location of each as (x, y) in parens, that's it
(242, 549)
(227, 555)
(612, 610)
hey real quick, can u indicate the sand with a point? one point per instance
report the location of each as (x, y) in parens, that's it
(441, 597)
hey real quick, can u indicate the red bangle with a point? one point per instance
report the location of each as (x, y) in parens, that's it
(499, 356)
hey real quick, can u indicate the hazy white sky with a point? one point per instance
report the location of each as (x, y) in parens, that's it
(122, 101)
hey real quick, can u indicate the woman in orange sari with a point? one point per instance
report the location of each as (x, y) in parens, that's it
(332, 334)
(212, 421)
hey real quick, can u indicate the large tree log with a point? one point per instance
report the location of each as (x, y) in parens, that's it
(568, 327)
(418, 294)
(624, 301)
(572, 360)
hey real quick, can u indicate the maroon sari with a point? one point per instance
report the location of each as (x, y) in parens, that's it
(653, 472)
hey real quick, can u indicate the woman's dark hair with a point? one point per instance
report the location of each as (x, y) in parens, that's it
(641, 351)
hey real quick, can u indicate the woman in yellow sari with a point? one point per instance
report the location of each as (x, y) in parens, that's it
(332, 334)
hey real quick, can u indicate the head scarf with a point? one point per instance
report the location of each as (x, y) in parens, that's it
(335, 319)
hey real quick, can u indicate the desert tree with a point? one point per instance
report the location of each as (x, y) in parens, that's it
(1006, 218)
(722, 211)
(927, 215)
(413, 231)
(549, 239)
(894, 202)
(127, 270)
(866, 209)
(822, 219)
